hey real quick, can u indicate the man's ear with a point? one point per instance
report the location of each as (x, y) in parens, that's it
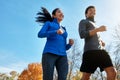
(86, 15)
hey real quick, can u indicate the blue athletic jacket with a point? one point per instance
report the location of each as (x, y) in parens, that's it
(56, 43)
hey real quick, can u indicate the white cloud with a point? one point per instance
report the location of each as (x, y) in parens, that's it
(108, 13)
(20, 66)
(5, 54)
(5, 69)
(10, 62)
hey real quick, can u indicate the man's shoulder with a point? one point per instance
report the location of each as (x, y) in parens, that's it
(83, 21)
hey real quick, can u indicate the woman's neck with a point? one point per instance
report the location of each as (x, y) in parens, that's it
(58, 21)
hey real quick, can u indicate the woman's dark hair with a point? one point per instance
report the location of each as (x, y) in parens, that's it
(86, 11)
(54, 11)
(44, 15)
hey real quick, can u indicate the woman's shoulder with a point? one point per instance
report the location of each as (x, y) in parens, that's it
(47, 22)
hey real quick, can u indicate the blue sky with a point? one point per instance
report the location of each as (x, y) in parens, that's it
(19, 44)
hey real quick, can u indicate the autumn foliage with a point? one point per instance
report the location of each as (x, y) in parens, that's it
(33, 72)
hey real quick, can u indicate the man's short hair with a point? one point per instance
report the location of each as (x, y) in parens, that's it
(88, 8)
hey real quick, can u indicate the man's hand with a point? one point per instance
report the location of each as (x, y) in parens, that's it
(102, 43)
(101, 28)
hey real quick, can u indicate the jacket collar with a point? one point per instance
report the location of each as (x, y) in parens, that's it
(55, 20)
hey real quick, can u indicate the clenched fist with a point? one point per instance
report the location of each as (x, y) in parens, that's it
(71, 41)
(59, 31)
(102, 28)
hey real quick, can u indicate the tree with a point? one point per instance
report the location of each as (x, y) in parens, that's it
(98, 75)
(77, 75)
(74, 59)
(115, 49)
(33, 72)
(13, 75)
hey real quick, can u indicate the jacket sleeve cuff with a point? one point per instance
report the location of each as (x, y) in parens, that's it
(68, 46)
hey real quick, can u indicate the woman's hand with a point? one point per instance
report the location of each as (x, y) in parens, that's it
(71, 42)
(59, 31)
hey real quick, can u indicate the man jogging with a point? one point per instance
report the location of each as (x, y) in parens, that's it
(94, 55)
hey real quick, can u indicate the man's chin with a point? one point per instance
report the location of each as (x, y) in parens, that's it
(91, 16)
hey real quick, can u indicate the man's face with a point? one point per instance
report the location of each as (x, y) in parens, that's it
(91, 13)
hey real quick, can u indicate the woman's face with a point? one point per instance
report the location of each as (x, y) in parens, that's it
(59, 15)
